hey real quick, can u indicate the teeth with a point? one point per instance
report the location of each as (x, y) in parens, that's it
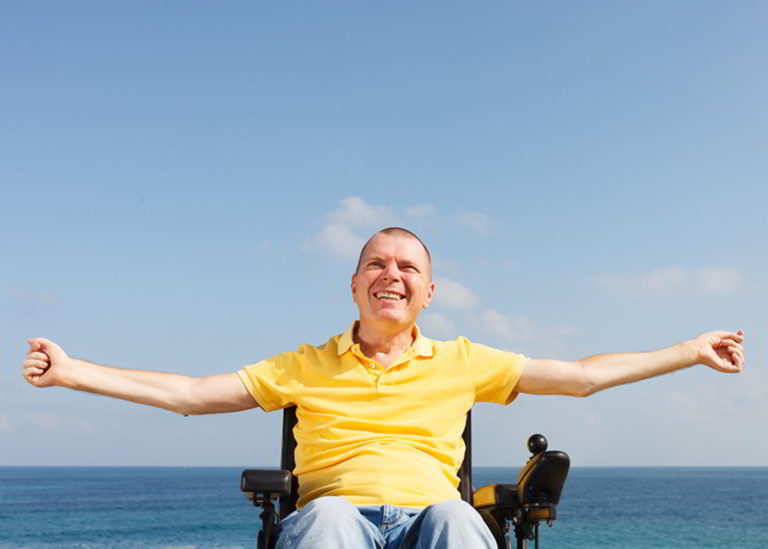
(388, 295)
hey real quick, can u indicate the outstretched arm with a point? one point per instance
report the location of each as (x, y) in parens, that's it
(47, 365)
(720, 351)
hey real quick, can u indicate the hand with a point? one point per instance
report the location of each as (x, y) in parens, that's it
(45, 363)
(721, 351)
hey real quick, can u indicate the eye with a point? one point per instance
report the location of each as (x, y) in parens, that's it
(409, 268)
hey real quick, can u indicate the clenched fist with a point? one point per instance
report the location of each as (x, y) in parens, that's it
(45, 363)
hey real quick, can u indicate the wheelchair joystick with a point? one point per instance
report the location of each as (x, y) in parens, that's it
(537, 444)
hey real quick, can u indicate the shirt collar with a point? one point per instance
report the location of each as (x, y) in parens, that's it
(421, 346)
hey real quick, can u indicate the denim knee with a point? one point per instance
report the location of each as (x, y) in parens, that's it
(450, 524)
(329, 507)
(449, 511)
(326, 522)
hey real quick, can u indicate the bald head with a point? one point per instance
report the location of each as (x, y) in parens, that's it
(397, 231)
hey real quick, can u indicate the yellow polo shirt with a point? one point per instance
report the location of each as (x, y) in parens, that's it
(378, 435)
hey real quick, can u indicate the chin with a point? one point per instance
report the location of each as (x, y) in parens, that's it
(395, 319)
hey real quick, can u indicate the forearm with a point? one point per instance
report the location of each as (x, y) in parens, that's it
(608, 370)
(160, 389)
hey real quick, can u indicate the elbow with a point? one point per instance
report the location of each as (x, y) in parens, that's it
(183, 409)
(184, 412)
(186, 403)
(586, 385)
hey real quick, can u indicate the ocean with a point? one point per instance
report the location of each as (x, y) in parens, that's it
(203, 508)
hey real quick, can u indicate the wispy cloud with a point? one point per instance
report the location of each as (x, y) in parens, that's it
(519, 329)
(420, 211)
(347, 227)
(709, 280)
(355, 212)
(514, 329)
(476, 221)
(339, 238)
(455, 295)
(438, 325)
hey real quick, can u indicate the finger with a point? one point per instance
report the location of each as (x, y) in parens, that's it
(31, 378)
(720, 363)
(725, 342)
(731, 346)
(38, 343)
(736, 336)
(731, 362)
(38, 355)
(36, 364)
(727, 367)
(34, 371)
(44, 345)
(737, 357)
(736, 348)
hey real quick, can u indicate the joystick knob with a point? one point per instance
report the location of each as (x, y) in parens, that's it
(537, 444)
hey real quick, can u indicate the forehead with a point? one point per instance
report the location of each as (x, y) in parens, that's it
(399, 246)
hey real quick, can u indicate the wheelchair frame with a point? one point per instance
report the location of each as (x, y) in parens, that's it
(503, 507)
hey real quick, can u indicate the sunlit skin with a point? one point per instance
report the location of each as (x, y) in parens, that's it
(397, 264)
(391, 262)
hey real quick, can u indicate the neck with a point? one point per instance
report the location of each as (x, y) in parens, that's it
(374, 341)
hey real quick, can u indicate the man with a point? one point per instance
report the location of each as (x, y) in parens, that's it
(381, 408)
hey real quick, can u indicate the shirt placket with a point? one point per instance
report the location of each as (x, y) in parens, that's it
(378, 372)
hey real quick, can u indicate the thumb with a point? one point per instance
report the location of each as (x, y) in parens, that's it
(32, 344)
(44, 345)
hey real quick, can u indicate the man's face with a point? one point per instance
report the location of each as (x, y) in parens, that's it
(393, 283)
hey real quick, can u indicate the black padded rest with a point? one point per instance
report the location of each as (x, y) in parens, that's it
(266, 481)
(543, 477)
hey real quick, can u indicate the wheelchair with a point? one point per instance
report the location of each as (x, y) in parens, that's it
(505, 508)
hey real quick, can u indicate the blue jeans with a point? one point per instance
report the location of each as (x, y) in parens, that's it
(334, 523)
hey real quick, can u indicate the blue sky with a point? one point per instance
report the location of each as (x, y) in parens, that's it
(185, 186)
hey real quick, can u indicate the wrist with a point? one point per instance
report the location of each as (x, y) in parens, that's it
(689, 351)
(68, 375)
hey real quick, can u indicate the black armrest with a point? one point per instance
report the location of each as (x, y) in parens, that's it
(541, 480)
(533, 498)
(271, 482)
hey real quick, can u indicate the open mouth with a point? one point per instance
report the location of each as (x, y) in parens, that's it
(388, 296)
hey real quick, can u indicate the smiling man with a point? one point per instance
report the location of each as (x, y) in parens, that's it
(381, 408)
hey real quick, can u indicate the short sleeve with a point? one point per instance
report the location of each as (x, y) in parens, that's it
(495, 373)
(274, 382)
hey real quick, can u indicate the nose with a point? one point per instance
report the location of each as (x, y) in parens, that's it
(391, 272)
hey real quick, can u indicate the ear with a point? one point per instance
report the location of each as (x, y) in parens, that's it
(353, 286)
(430, 293)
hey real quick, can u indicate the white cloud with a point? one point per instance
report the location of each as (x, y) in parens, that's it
(477, 221)
(340, 239)
(450, 293)
(439, 326)
(520, 329)
(721, 281)
(356, 213)
(420, 211)
(347, 227)
(514, 329)
(709, 280)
